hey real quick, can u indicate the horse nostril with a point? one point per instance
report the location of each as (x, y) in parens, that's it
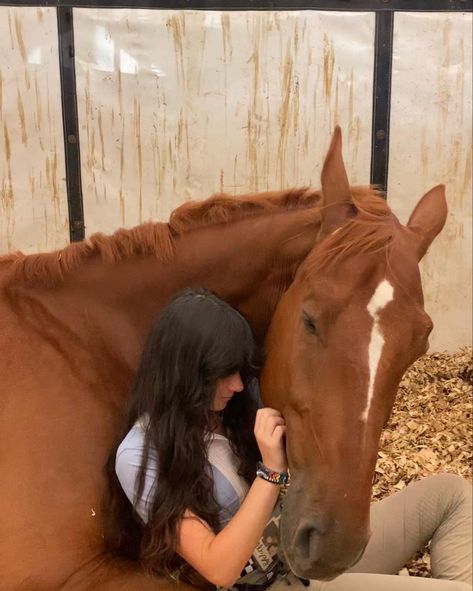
(307, 539)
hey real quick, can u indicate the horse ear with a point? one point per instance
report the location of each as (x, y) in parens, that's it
(428, 218)
(335, 187)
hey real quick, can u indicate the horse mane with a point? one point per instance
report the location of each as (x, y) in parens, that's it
(371, 230)
(152, 238)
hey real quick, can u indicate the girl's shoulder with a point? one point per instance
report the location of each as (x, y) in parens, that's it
(135, 438)
(128, 461)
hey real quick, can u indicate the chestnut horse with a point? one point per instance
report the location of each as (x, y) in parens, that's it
(340, 340)
(72, 326)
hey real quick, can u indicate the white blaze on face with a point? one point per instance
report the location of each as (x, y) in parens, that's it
(383, 294)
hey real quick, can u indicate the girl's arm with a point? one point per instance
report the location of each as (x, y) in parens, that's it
(221, 557)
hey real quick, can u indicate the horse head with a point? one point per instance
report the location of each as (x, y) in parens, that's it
(341, 338)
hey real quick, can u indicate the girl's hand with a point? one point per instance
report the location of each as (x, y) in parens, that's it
(269, 431)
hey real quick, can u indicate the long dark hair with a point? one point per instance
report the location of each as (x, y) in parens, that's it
(196, 340)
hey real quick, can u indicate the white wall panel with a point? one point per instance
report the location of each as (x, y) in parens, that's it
(33, 202)
(175, 105)
(431, 143)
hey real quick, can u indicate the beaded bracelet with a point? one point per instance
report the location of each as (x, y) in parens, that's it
(281, 478)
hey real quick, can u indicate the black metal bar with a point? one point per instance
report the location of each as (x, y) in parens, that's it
(343, 5)
(70, 123)
(381, 98)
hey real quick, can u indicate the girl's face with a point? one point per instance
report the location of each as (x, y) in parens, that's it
(226, 388)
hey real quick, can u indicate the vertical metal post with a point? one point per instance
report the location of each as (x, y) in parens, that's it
(70, 123)
(382, 98)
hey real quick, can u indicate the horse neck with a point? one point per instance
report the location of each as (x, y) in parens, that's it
(249, 263)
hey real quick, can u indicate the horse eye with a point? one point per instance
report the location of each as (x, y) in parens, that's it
(309, 323)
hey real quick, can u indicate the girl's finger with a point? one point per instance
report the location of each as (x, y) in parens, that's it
(279, 431)
(267, 411)
(257, 420)
(274, 422)
(261, 416)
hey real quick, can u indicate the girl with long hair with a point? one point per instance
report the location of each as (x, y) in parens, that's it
(183, 476)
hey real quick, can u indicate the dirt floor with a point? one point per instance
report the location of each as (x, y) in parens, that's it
(430, 429)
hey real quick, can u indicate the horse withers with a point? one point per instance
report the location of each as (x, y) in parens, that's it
(340, 340)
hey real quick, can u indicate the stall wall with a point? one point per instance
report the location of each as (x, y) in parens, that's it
(177, 105)
(33, 197)
(431, 143)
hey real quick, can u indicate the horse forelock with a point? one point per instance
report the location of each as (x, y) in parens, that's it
(154, 239)
(372, 229)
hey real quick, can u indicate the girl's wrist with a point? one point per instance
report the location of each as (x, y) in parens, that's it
(274, 466)
(274, 476)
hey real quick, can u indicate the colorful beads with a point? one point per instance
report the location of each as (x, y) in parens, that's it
(281, 478)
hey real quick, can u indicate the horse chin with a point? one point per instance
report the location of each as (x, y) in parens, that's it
(318, 571)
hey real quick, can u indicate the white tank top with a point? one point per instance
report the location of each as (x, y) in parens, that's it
(229, 488)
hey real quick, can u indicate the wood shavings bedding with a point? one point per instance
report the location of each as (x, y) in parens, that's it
(430, 429)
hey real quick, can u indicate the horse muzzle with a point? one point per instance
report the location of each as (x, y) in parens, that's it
(322, 545)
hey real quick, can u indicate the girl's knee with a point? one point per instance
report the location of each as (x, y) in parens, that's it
(454, 483)
(454, 490)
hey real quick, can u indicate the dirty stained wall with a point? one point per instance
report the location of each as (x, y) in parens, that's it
(176, 105)
(431, 143)
(33, 198)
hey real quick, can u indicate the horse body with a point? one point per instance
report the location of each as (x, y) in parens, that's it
(73, 324)
(72, 331)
